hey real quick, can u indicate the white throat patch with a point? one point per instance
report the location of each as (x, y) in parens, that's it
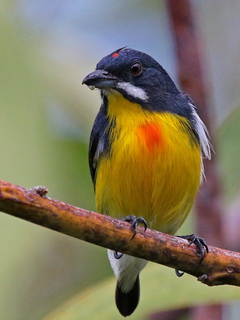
(133, 91)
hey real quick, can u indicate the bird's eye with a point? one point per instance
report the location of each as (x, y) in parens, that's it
(136, 69)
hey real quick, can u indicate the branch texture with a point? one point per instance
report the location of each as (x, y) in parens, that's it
(218, 266)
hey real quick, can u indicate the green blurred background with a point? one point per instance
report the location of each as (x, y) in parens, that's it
(46, 48)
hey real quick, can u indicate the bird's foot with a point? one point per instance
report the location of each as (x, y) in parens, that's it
(135, 222)
(201, 245)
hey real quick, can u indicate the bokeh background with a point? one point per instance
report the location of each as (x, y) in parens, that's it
(46, 48)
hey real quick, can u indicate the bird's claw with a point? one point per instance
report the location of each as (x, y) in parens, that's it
(135, 221)
(200, 243)
(118, 255)
(179, 273)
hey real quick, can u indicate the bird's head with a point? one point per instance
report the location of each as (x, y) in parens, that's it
(142, 80)
(136, 75)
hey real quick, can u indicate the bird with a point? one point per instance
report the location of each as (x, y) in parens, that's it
(146, 153)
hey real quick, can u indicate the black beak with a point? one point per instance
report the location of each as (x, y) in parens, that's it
(100, 79)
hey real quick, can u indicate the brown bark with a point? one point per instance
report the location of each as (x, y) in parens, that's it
(218, 266)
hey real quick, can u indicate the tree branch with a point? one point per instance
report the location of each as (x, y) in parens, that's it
(218, 267)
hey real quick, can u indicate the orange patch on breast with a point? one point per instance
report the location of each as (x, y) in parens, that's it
(151, 135)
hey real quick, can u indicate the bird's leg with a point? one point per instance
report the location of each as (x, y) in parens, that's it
(201, 245)
(135, 221)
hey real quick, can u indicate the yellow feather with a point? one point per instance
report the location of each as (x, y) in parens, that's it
(154, 167)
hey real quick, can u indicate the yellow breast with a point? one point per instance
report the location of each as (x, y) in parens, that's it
(153, 169)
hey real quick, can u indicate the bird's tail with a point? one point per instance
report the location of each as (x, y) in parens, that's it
(127, 301)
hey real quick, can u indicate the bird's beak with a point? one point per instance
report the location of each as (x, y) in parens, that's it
(100, 79)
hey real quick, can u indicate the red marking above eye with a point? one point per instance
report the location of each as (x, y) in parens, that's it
(116, 53)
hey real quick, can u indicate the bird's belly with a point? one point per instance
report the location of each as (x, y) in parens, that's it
(150, 173)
